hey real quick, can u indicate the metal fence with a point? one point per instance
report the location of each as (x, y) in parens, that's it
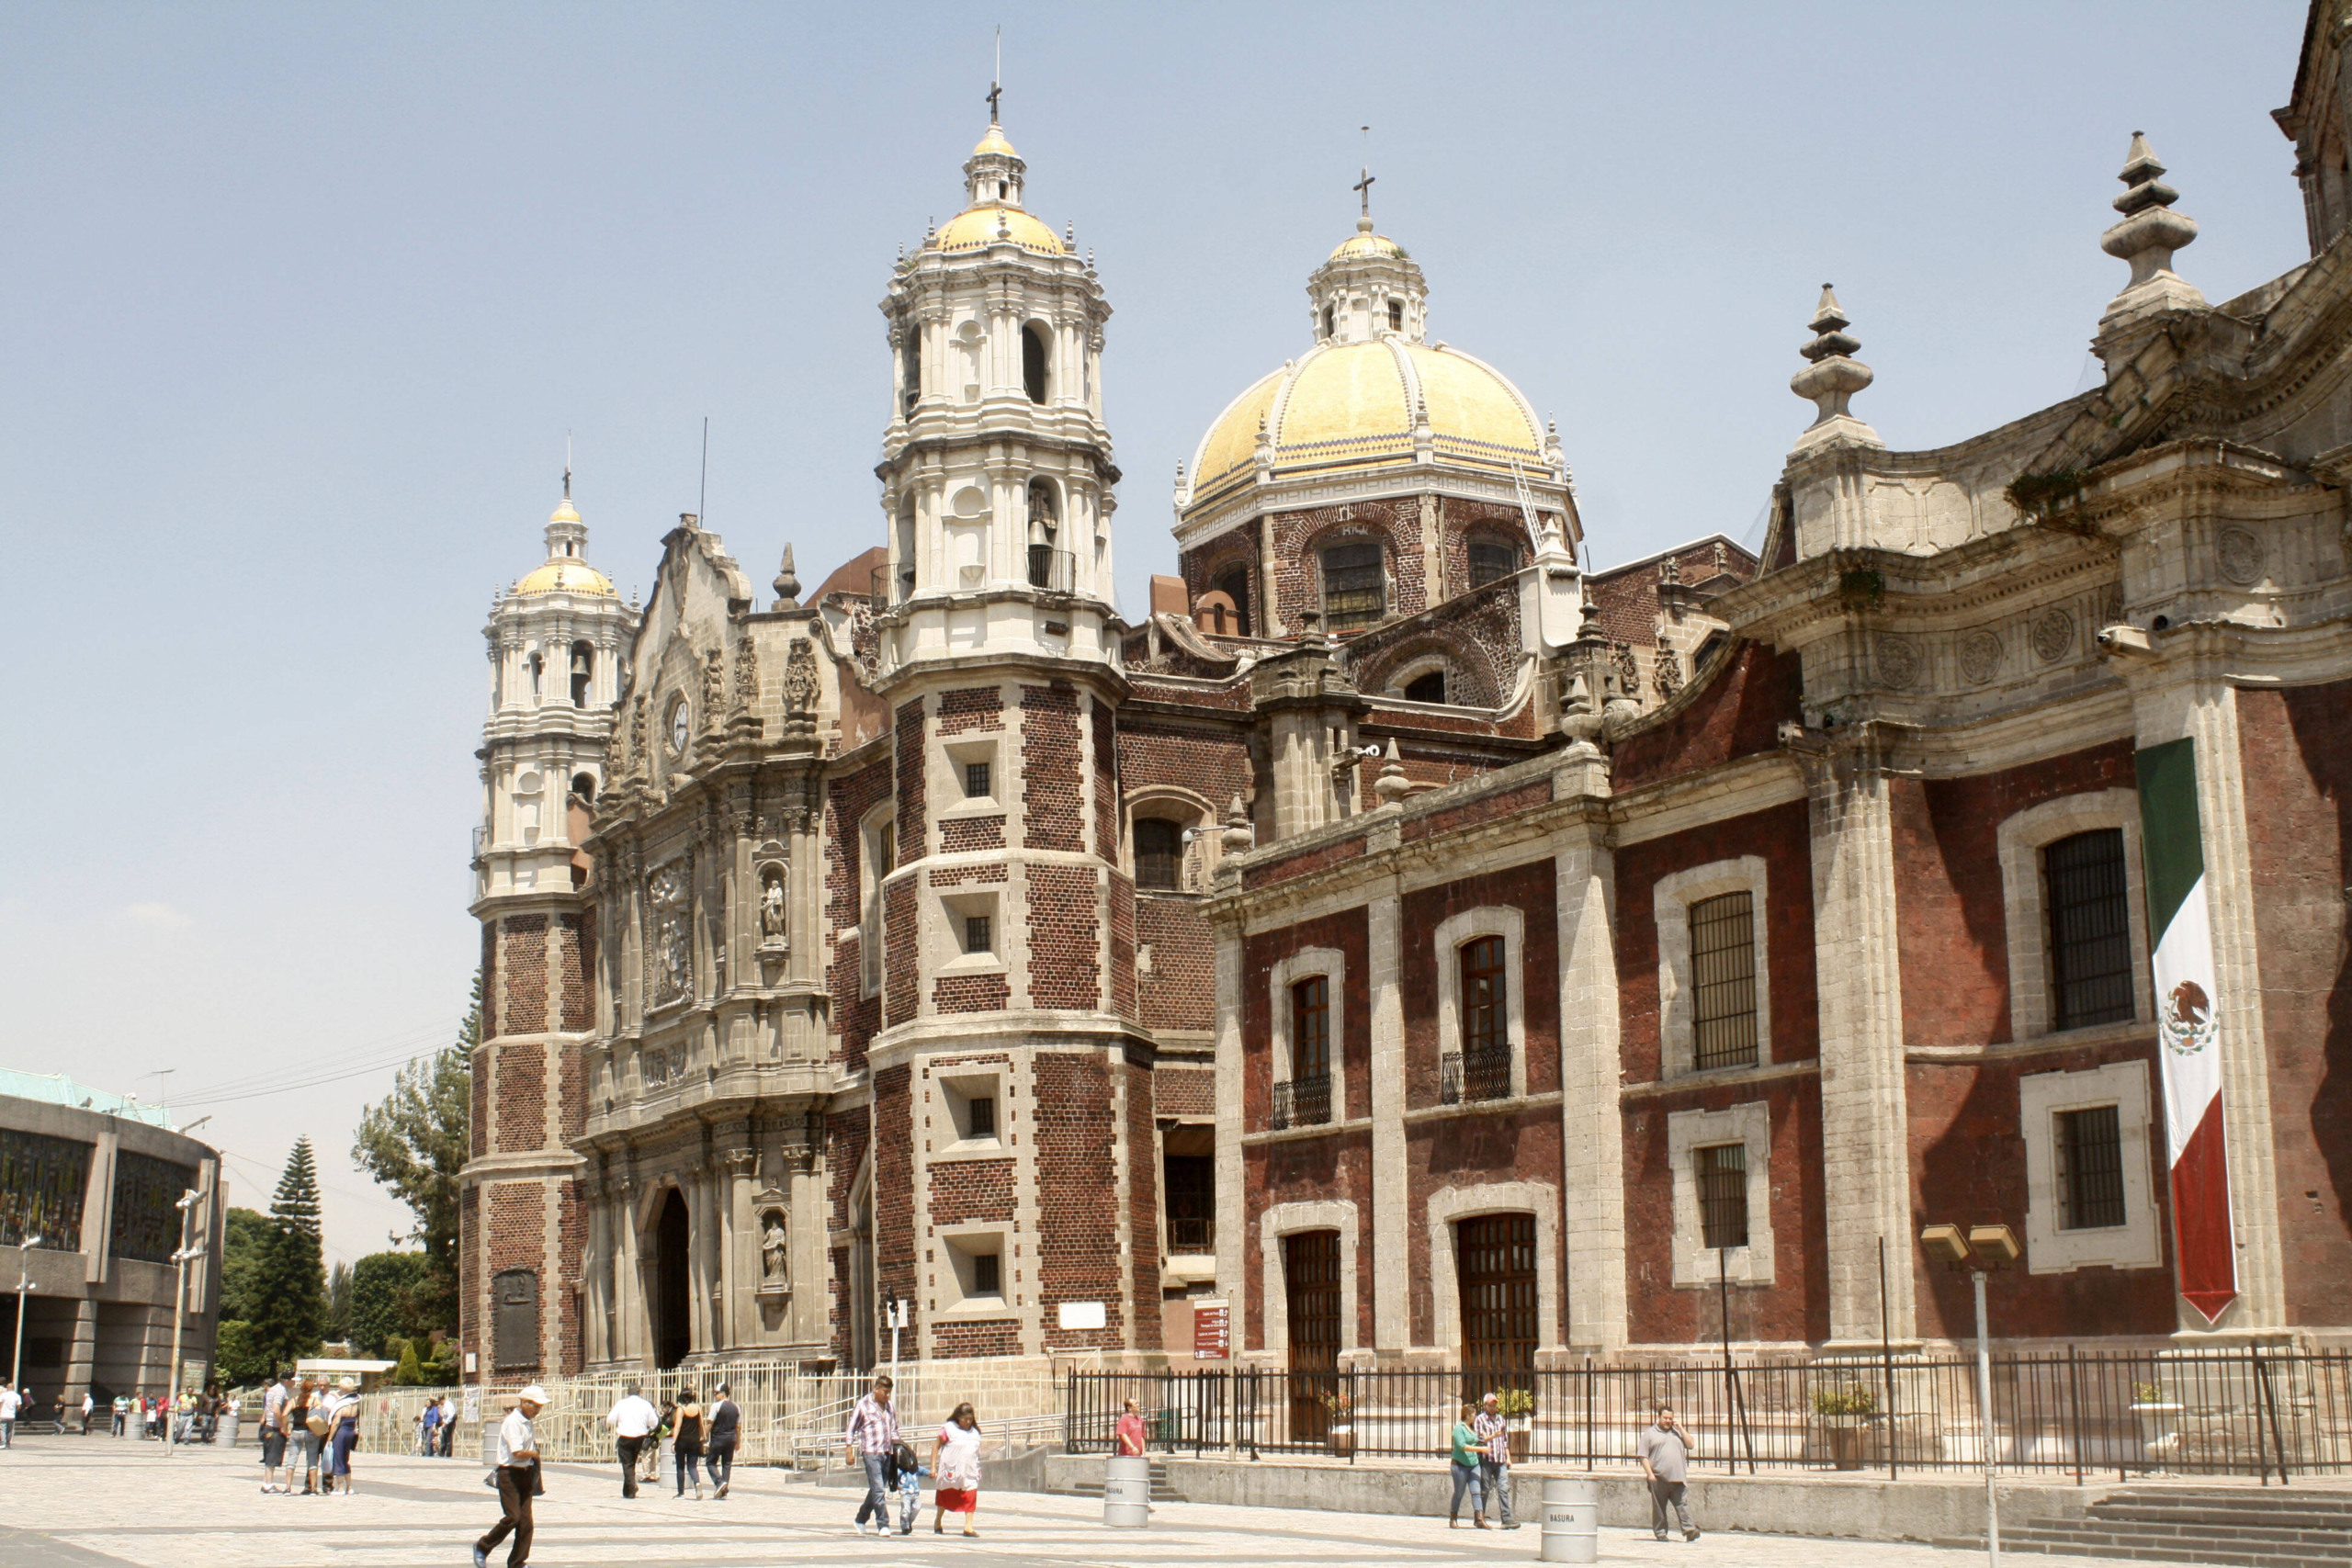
(2254, 1413)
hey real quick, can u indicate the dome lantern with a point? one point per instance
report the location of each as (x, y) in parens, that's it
(1368, 287)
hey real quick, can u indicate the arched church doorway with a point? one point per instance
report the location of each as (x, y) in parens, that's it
(672, 1336)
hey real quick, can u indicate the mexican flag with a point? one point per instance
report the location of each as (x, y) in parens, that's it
(2188, 1025)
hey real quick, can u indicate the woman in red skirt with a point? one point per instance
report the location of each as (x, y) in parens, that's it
(957, 1467)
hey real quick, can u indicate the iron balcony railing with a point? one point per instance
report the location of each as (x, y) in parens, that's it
(1474, 1075)
(1051, 569)
(1191, 1234)
(1302, 1102)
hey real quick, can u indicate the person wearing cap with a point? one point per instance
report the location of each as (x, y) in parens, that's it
(519, 1476)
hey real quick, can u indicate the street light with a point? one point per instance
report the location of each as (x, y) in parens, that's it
(187, 1206)
(24, 1283)
(1980, 1251)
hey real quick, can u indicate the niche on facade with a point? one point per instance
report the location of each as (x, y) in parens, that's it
(775, 1251)
(774, 924)
(670, 961)
(514, 1319)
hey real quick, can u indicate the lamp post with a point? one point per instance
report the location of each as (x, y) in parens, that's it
(24, 1283)
(1980, 1251)
(187, 1206)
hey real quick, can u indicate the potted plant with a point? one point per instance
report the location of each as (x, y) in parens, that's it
(1846, 1411)
(1518, 1407)
(2159, 1419)
(1340, 1408)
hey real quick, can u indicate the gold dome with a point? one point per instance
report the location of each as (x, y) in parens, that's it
(1351, 406)
(994, 142)
(975, 230)
(1356, 246)
(562, 575)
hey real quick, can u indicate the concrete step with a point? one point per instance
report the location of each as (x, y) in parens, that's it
(2282, 1514)
(2232, 1547)
(2284, 1537)
(2211, 1557)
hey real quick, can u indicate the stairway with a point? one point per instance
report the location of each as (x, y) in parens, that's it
(1092, 1486)
(2236, 1526)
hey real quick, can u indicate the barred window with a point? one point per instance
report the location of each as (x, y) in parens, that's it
(1722, 1170)
(1485, 1000)
(979, 1113)
(1489, 560)
(977, 934)
(988, 1273)
(976, 780)
(2091, 1168)
(1355, 587)
(2090, 930)
(1160, 852)
(1723, 975)
(1310, 1028)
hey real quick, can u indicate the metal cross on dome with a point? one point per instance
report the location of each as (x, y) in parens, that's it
(1363, 187)
(996, 91)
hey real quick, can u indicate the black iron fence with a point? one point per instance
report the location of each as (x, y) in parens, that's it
(1474, 1075)
(2251, 1412)
(1301, 1102)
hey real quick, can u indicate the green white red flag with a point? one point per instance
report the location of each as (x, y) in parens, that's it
(2187, 1027)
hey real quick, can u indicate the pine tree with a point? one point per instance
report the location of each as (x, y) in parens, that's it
(414, 1141)
(289, 1282)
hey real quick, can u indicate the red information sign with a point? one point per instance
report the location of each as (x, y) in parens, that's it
(1212, 1327)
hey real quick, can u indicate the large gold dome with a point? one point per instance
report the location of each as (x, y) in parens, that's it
(1350, 405)
(975, 230)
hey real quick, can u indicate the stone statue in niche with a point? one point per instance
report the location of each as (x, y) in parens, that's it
(672, 959)
(771, 920)
(775, 1269)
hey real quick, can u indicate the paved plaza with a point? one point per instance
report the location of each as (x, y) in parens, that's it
(95, 1502)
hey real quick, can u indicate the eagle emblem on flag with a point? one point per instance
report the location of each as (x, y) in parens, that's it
(2186, 1020)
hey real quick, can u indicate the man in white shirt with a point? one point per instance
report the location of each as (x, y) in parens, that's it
(448, 1423)
(10, 1403)
(518, 1474)
(272, 1434)
(632, 1421)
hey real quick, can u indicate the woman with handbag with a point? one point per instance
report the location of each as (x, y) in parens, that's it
(685, 1446)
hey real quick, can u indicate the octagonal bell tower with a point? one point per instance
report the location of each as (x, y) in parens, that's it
(1008, 1040)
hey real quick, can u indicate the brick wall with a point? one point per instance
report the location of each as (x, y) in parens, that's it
(857, 1018)
(1077, 1252)
(907, 736)
(1298, 537)
(1952, 928)
(477, 1124)
(1105, 758)
(525, 968)
(518, 1220)
(1781, 836)
(490, 1025)
(1185, 1091)
(846, 1136)
(958, 1340)
(522, 1098)
(971, 708)
(1053, 809)
(894, 1195)
(1747, 695)
(1352, 1050)
(1529, 889)
(1485, 809)
(1064, 937)
(1796, 1304)
(570, 1090)
(1211, 764)
(1143, 1207)
(967, 1191)
(1121, 896)
(1465, 1151)
(1304, 863)
(1968, 1158)
(1203, 566)
(1337, 1168)
(571, 1244)
(2296, 749)
(971, 993)
(900, 943)
(965, 835)
(469, 1252)
(1180, 990)
(575, 970)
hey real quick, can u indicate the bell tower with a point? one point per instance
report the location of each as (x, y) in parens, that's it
(556, 643)
(1010, 1066)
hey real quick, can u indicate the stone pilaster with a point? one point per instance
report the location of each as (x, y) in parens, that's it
(1592, 1131)
(1391, 1318)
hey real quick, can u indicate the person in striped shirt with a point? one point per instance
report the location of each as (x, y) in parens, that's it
(872, 1434)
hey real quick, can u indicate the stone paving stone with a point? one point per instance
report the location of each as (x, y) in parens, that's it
(103, 1503)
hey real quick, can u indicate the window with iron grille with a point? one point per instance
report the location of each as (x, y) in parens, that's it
(1355, 587)
(1489, 560)
(1722, 980)
(988, 1274)
(1310, 1028)
(1160, 852)
(2091, 1168)
(1721, 1171)
(2090, 930)
(977, 935)
(979, 1114)
(975, 779)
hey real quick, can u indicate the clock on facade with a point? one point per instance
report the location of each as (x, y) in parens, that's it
(679, 720)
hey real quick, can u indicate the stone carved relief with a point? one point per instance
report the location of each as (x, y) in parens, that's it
(2240, 553)
(2054, 637)
(771, 912)
(659, 1067)
(1980, 657)
(1667, 669)
(714, 687)
(747, 674)
(800, 676)
(1629, 674)
(670, 958)
(864, 639)
(1898, 663)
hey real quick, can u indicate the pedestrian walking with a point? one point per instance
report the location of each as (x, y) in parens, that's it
(633, 1419)
(10, 1403)
(428, 1429)
(274, 1400)
(1494, 1458)
(957, 1464)
(907, 1471)
(1129, 1432)
(1665, 1448)
(871, 1433)
(1465, 1472)
(448, 1423)
(518, 1480)
(726, 1429)
(686, 1443)
(343, 1435)
(121, 1414)
(88, 1406)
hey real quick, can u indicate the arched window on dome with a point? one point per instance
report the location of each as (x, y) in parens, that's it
(1396, 315)
(1032, 361)
(1234, 583)
(1491, 558)
(1355, 586)
(1331, 321)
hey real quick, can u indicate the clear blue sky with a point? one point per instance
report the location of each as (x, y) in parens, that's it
(298, 302)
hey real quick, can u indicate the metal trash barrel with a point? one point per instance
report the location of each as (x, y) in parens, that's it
(1126, 1492)
(1571, 1522)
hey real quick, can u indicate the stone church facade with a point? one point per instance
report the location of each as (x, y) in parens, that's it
(1403, 945)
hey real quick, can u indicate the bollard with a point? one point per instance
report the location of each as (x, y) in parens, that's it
(1571, 1522)
(1126, 1492)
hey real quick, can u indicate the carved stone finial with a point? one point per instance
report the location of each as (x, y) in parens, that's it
(1238, 835)
(1831, 377)
(2151, 232)
(1392, 785)
(787, 584)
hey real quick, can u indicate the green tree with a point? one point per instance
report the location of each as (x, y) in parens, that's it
(410, 1371)
(288, 1306)
(339, 1302)
(391, 1294)
(245, 1240)
(414, 1141)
